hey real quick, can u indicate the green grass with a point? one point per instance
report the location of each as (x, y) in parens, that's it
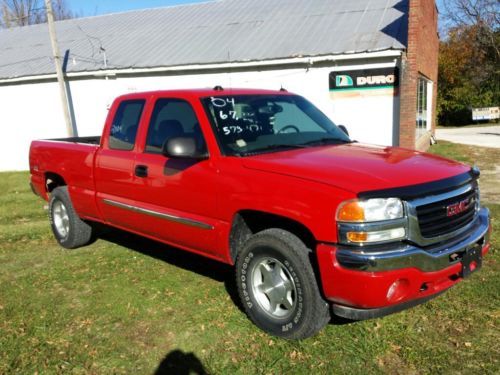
(452, 151)
(125, 305)
(486, 158)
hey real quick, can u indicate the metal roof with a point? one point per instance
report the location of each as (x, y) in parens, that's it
(207, 33)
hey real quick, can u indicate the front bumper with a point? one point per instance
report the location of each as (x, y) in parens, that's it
(366, 284)
(404, 256)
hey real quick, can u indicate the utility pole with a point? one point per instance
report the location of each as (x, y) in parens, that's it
(59, 71)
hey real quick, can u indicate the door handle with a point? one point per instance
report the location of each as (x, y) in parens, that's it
(141, 170)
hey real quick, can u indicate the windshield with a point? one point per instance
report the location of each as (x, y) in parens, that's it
(252, 124)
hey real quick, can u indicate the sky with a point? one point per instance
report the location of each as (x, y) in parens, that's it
(88, 8)
(440, 5)
(96, 7)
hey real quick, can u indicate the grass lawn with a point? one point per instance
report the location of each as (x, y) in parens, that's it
(128, 305)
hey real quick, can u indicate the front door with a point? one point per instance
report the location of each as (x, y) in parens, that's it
(176, 197)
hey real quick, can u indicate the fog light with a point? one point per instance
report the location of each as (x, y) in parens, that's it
(398, 290)
(377, 236)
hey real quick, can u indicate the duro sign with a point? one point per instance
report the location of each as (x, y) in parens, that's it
(364, 79)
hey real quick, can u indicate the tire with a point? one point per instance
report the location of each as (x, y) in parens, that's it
(277, 285)
(69, 230)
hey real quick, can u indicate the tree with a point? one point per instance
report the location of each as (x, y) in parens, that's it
(483, 14)
(469, 59)
(28, 12)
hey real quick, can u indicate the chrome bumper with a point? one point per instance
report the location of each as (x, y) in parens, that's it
(432, 258)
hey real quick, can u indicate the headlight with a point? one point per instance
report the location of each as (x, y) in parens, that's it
(371, 221)
(378, 209)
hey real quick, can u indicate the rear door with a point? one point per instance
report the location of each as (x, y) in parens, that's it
(114, 166)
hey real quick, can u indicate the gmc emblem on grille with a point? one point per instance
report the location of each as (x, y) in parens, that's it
(459, 207)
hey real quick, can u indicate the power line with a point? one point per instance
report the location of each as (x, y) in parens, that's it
(89, 39)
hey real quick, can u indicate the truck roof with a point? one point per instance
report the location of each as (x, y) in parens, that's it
(204, 92)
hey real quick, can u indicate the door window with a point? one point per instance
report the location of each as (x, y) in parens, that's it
(173, 118)
(125, 124)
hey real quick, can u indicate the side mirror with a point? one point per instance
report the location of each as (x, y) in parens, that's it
(344, 129)
(182, 147)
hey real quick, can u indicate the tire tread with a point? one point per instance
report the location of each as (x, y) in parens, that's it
(320, 315)
(80, 232)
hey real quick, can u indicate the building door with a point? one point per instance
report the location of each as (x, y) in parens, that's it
(424, 107)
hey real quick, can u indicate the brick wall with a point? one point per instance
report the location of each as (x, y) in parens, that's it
(421, 58)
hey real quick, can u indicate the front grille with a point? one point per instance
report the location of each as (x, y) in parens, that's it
(441, 217)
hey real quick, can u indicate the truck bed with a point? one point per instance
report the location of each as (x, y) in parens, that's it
(72, 158)
(93, 140)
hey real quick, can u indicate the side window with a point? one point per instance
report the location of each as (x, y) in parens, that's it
(173, 118)
(125, 124)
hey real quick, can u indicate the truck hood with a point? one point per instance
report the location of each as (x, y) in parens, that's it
(357, 167)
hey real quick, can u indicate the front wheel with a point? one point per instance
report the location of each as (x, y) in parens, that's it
(69, 230)
(277, 285)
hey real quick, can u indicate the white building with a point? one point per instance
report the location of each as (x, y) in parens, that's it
(355, 59)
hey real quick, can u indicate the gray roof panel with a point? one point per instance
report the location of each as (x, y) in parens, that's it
(212, 32)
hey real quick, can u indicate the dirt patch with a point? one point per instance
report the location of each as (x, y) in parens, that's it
(489, 184)
(488, 160)
(392, 363)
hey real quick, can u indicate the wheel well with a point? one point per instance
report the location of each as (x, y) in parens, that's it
(53, 180)
(248, 222)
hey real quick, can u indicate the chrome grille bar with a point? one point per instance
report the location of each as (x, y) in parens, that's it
(428, 220)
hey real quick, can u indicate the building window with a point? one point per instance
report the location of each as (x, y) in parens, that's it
(424, 106)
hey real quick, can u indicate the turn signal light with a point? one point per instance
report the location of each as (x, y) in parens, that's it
(351, 211)
(357, 236)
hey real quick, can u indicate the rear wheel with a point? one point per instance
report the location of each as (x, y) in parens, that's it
(69, 230)
(277, 285)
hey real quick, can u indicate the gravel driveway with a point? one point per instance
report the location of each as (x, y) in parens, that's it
(485, 136)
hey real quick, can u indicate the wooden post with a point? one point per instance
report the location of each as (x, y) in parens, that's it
(59, 71)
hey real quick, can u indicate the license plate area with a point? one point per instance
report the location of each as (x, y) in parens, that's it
(472, 260)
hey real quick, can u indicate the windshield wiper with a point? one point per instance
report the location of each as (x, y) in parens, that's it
(325, 141)
(289, 146)
(276, 147)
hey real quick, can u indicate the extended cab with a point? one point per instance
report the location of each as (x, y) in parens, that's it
(313, 222)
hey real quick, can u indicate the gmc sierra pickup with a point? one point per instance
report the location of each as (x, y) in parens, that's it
(313, 222)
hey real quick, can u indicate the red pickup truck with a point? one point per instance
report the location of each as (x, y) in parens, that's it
(313, 222)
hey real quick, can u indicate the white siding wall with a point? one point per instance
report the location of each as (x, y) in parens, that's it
(33, 111)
